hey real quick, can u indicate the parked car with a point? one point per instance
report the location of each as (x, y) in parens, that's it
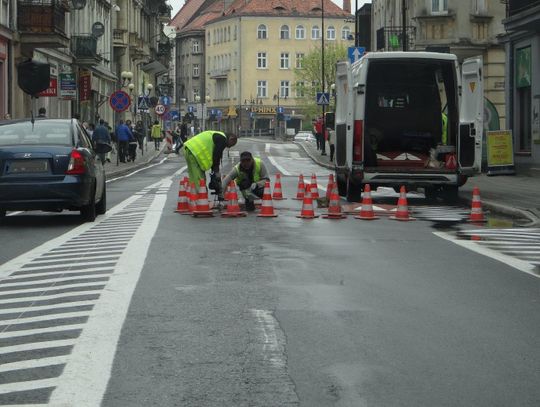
(304, 136)
(50, 165)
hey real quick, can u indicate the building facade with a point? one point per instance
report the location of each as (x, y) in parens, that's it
(7, 29)
(522, 42)
(465, 28)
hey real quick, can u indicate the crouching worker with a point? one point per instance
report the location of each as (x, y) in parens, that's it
(250, 175)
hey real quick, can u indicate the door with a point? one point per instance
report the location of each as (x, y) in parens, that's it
(471, 115)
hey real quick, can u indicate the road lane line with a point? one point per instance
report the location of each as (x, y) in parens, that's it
(28, 386)
(27, 332)
(33, 363)
(279, 167)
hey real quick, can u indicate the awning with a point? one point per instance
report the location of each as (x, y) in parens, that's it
(154, 67)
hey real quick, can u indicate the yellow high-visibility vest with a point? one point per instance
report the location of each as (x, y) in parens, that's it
(444, 129)
(256, 171)
(202, 147)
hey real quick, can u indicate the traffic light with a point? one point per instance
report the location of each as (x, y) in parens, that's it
(330, 120)
(33, 77)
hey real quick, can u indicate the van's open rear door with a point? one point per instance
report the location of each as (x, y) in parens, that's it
(343, 118)
(471, 116)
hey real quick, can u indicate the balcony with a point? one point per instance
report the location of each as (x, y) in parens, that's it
(391, 38)
(42, 23)
(84, 47)
(518, 6)
(164, 13)
(120, 38)
(220, 73)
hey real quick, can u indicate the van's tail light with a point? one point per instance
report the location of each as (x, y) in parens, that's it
(358, 139)
(76, 163)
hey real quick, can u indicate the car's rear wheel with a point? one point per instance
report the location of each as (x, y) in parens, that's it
(341, 182)
(354, 191)
(101, 206)
(88, 212)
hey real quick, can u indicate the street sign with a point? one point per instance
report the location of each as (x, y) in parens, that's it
(143, 103)
(280, 109)
(119, 101)
(323, 98)
(175, 115)
(191, 109)
(165, 100)
(160, 109)
(355, 53)
(167, 116)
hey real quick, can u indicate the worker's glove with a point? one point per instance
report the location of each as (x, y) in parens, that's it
(215, 182)
(254, 186)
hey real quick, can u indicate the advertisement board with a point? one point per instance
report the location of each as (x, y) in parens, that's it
(500, 152)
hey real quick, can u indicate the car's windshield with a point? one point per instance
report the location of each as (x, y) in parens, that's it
(41, 132)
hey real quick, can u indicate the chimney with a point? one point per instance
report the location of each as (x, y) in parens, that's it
(347, 6)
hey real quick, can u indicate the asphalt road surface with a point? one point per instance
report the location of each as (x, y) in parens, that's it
(147, 307)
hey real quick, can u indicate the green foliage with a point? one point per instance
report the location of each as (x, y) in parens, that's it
(310, 76)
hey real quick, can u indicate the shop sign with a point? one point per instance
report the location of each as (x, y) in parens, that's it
(523, 67)
(264, 110)
(85, 85)
(52, 90)
(500, 152)
(68, 86)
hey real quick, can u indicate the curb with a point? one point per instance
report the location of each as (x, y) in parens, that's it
(123, 171)
(490, 205)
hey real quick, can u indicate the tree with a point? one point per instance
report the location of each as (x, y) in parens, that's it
(308, 78)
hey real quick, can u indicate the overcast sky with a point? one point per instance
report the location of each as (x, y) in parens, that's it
(177, 4)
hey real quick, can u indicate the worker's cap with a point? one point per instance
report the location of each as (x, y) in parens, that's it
(245, 156)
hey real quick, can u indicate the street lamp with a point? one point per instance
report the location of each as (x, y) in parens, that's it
(126, 76)
(278, 115)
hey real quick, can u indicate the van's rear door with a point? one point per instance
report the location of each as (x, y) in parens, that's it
(471, 116)
(344, 115)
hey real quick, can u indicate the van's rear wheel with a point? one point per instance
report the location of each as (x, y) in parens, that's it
(354, 191)
(341, 181)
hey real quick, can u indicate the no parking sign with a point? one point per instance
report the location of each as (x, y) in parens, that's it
(119, 101)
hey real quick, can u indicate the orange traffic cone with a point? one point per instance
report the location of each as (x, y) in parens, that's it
(307, 206)
(330, 186)
(314, 188)
(190, 187)
(182, 205)
(334, 208)
(366, 211)
(203, 206)
(233, 209)
(301, 188)
(267, 207)
(277, 195)
(402, 212)
(477, 215)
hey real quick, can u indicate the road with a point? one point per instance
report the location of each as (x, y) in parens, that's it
(147, 307)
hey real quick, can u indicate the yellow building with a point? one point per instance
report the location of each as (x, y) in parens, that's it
(251, 53)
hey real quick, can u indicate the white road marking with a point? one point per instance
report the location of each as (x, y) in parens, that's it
(267, 147)
(33, 346)
(64, 296)
(471, 245)
(49, 288)
(51, 308)
(49, 317)
(279, 167)
(26, 332)
(33, 363)
(139, 170)
(272, 350)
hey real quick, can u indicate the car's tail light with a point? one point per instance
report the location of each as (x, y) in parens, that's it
(76, 163)
(358, 138)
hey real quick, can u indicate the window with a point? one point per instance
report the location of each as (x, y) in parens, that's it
(345, 33)
(261, 60)
(439, 6)
(315, 32)
(195, 93)
(479, 7)
(208, 40)
(284, 60)
(300, 90)
(300, 32)
(195, 70)
(229, 34)
(235, 33)
(284, 89)
(299, 60)
(261, 32)
(284, 32)
(261, 89)
(331, 33)
(196, 47)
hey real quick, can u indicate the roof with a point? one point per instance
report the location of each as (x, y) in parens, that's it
(287, 8)
(186, 13)
(212, 12)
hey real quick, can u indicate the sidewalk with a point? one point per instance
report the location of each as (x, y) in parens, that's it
(516, 196)
(113, 170)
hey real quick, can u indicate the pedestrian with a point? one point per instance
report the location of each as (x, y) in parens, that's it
(203, 152)
(331, 141)
(102, 141)
(156, 135)
(123, 135)
(319, 135)
(182, 137)
(90, 129)
(139, 134)
(42, 112)
(250, 175)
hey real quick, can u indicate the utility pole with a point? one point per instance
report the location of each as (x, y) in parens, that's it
(322, 73)
(404, 24)
(356, 39)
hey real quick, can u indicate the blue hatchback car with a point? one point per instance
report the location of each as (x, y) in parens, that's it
(50, 165)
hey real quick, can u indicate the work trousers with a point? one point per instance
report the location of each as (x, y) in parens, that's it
(123, 150)
(195, 172)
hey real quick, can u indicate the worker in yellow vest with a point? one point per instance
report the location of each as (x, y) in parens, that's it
(250, 175)
(444, 124)
(203, 152)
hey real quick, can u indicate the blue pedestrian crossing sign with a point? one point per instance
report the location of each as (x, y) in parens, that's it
(280, 109)
(323, 98)
(175, 115)
(190, 109)
(165, 100)
(143, 103)
(355, 53)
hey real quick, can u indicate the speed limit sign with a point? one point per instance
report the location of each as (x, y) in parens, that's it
(160, 109)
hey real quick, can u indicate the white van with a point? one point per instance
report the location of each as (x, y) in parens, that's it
(392, 109)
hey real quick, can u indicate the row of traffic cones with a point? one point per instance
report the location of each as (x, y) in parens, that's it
(195, 203)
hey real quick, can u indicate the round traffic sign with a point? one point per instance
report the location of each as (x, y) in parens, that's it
(160, 109)
(119, 101)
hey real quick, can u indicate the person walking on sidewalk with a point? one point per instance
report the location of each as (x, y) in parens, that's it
(156, 135)
(250, 175)
(102, 141)
(123, 135)
(203, 152)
